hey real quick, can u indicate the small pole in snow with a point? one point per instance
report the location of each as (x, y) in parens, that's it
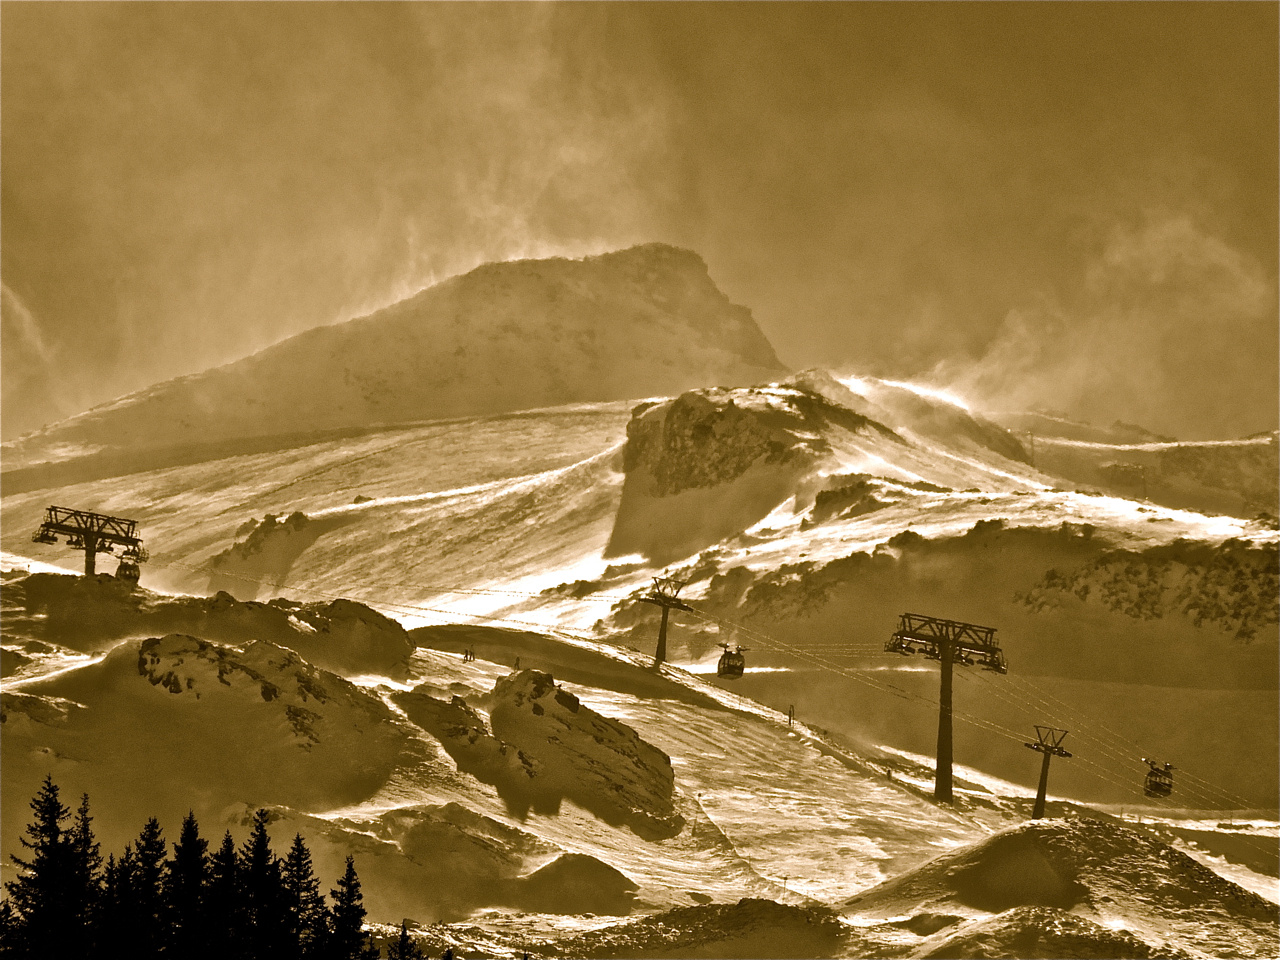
(791, 715)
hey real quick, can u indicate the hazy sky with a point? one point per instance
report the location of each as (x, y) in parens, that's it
(1065, 205)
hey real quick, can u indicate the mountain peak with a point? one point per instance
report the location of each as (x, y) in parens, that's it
(647, 320)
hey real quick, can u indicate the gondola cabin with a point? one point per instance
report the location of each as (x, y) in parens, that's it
(732, 662)
(1159, 781)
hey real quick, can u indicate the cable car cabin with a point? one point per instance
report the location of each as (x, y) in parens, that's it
(128, 571)
(732, 662)
(1159, 782)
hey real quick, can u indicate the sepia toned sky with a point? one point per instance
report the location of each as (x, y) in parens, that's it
(1069, 206)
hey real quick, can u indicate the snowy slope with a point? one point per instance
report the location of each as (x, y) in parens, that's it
(837, 503)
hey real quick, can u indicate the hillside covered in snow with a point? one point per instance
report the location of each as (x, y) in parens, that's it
(411, 625)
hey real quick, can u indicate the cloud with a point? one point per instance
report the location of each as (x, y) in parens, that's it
(1154, 337)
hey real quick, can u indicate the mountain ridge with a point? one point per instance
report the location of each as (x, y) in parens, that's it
(643, 321)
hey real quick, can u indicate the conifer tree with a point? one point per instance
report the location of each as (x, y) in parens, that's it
(8, 931)
(223, 908)
(185, 878)
(148, 891)
(405, 947)
(44, 894)
(86, 856)
(119, 918)
(347, 939)
(266, 925)
(304, 903)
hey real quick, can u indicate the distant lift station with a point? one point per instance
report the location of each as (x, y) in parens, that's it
(94, 533)
(949, 642)
(664, 595)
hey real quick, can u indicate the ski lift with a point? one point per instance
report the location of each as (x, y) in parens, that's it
(128, 571)
(732, 662)
(1159, 782)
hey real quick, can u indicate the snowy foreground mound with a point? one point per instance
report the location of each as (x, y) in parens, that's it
(507, 336)
(1069, 888)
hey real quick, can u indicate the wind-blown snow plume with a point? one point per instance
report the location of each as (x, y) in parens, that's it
(1151, 338)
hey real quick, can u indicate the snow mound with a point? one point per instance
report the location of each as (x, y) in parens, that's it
(1108, 873)
(748, 929)
(201, 725)
(443, 862)
(640, 322)
(601, 764)
(1041, 933)
(92, 613)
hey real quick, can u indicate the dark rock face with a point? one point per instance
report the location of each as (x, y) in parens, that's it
(710, 463)
(601, 764)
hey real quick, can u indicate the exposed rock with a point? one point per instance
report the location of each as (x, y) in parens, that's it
(601, 764)
(92, 613)
(1233, 586)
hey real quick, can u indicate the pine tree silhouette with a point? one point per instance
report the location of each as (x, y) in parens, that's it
(119, 923)
(43, 897)
(86, 856)
(347, 939)
(223, 908)
(185, 877)
(304, 903)
(148, 891)
(262, 890)
(405, 947)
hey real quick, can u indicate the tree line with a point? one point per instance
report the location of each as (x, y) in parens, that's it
(233, 903)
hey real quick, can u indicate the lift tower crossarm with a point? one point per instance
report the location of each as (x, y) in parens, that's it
(93, 532)
(664, 594)
(1049, 742)
(949, 642)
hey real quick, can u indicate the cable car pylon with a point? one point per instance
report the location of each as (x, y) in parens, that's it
(949, 642)
(664, 594)
(94, 533)
(1049, 742)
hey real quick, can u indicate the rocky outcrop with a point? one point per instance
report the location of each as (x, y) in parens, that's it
(92, 613)
(465, 736)
(599, 763)
(1232, 586)
(710, 463)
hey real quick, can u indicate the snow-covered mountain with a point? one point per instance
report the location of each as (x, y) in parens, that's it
(424, 643)
(507, 336)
